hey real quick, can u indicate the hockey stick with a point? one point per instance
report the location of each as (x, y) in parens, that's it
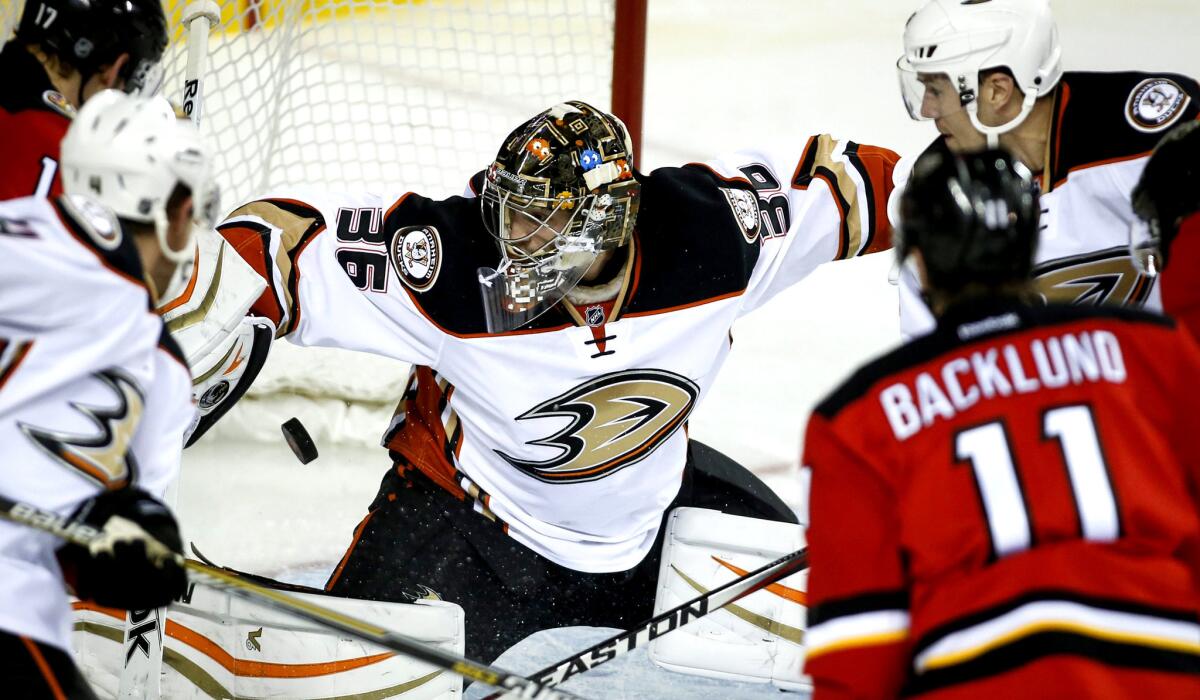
(199, 17)
(668, 620)
(82, 534)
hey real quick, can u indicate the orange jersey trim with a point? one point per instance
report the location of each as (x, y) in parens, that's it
(358, 531)
(18, 358)
(655, 312)
(44, 667)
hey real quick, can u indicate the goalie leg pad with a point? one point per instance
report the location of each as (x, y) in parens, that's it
(759, 638)
(220, 646)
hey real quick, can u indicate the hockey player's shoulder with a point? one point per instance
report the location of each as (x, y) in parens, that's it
(1110, 116)
(436, 248)
(870, 375)
(72, 232)
(28, 88)
(96, 229)
(50, 106)
(693, 198)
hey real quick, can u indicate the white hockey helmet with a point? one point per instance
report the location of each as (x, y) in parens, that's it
(960, 38)
(129, 152)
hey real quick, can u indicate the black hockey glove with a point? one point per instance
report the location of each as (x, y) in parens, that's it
(132, 564)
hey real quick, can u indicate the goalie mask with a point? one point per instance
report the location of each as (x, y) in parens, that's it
(560, 192)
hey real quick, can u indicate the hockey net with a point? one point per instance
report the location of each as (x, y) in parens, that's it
(387, 96)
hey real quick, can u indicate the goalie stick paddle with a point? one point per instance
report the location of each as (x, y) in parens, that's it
(668, 620)
(514, 685)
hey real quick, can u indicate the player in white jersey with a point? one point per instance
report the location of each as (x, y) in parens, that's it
(543, 437)
(94, 395)
(990, 73)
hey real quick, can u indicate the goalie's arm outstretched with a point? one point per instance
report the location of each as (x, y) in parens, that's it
(314, 270)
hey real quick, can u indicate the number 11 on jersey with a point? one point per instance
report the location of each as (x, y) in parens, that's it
(988, 449)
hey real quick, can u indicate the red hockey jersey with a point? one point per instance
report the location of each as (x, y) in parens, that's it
(1008, 507)
(33, 120)
(1180, 289)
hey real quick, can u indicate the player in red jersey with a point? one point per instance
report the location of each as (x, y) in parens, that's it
(64, 52)
(1167, 200)
(1007, 507)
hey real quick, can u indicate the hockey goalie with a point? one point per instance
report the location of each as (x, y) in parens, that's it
(562, 319)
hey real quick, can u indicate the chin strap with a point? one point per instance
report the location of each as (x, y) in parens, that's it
(993, 133)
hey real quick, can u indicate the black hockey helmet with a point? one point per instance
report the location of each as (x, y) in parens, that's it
(88, 34)
(1168, 191)
(974, 217)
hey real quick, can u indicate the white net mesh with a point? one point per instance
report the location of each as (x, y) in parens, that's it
(383, 95)
(386, 94)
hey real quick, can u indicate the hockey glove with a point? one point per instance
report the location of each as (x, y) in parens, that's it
(133, 564)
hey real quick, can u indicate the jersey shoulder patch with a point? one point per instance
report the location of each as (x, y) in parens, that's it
(697, 226)
(1155, 104)
(416, 256)
(1105, 117)
(435, 248)
(95, 220)
(98, 230)
(745, 210)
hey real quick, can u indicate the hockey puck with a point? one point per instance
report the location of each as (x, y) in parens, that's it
(299, 440)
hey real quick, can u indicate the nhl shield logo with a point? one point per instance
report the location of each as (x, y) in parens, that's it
(594, 315)
(1156, 104)
(416, 255)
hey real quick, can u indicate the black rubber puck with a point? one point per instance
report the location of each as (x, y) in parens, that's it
(299, 440)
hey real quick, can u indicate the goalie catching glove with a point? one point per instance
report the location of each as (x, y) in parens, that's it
(136, 561)
(224, 347)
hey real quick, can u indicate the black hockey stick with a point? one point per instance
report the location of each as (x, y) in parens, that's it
(515, 686)
(668, 620)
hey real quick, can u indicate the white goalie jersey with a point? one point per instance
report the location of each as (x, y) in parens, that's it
(570, 432)
(93, 393)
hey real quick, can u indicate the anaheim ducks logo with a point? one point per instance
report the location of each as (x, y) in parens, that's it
(102, 457)
(618, 419)
(1105, 277)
